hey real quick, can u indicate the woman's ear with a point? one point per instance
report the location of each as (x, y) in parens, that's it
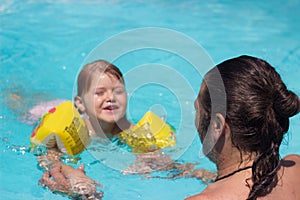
(222, 127)
(79, 104)
(219, 124)
(215, 138)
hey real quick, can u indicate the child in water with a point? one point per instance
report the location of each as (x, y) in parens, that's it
(102, 101)
(103, 98)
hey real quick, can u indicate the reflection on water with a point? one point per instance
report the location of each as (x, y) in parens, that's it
(43, 44)
(7, 146)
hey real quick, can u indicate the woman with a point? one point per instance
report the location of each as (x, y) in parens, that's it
(241, 124)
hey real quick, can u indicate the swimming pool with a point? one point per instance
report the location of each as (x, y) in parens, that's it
(44, 43)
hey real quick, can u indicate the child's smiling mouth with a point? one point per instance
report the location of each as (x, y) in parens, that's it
(111, 108)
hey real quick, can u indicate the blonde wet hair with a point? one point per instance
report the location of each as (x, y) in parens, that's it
(85, 76)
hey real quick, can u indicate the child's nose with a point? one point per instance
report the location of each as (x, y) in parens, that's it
(110, 96)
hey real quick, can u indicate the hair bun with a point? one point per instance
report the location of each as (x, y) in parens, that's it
(286, 103)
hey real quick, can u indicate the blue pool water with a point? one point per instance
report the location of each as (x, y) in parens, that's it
(43, 44)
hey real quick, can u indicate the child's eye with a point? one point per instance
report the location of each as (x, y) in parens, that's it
(99, 92)
(119, 90)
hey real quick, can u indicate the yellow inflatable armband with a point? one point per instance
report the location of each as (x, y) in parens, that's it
(149, 134)
(62, 126)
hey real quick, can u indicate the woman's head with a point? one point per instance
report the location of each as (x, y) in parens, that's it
(258, 106)
(101, 92)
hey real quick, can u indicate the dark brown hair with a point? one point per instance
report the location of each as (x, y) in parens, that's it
(99, 66)
(257, 108)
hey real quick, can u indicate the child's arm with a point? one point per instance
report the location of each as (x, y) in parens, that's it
(68, 180)
(52, 163)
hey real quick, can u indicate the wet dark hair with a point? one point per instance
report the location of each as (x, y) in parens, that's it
(85, 76)
(257, 109)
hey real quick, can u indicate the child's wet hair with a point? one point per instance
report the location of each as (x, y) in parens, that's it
(84, 79)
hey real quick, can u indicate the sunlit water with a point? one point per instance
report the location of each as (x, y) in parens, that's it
(44, 43)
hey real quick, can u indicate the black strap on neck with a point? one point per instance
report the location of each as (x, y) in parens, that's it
(232, 173)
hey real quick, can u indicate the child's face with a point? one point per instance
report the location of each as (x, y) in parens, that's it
(106, 99)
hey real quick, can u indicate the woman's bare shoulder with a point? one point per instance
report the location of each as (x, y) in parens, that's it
(207, 194)
(202, 196)
(292, 157)
(291, 160)
(291, 166)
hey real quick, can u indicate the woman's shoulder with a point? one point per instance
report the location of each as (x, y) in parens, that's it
(288, 183)
(203, 196)
(292, 156)
(291, 166)
(213, 192)
(291, 160)
(196, 197)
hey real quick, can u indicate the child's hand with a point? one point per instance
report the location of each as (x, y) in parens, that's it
(70, 181)
(55, 180)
